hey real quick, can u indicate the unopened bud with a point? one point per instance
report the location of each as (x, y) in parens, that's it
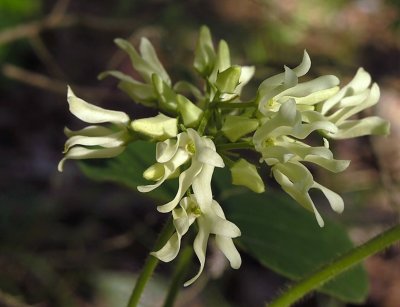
(191, 113)
(160, 127)
(228, 79)
(237, 126)
(245, 174)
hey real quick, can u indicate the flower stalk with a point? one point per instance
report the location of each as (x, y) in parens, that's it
(149, 266)
(179, 275)
(338, 266)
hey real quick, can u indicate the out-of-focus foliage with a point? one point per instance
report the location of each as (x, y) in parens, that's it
(12, 12)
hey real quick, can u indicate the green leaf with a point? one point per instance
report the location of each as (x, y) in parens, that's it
(285, 238)
(127, 169)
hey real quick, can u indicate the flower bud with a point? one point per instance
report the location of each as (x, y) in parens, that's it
(165, 94)
(228, 79)
(160, 127)
(191, 113)
(245, 174)
(154, 172)
(237, 126)
(204, 56)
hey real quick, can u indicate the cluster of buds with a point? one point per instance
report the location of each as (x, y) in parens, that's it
(197, 129)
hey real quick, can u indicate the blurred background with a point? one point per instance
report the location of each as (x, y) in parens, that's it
(68, 241)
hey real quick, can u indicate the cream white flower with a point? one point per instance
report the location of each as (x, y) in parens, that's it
(276, 90)
(296, 180)
(160, 127)
(95, 141)
(353, 98)
(173, 153)
(279, 142)
(210, 219)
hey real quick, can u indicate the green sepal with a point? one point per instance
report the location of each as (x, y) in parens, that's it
(228, 79)
(205, 58)
(245, 173)
(191, 114)
(166, 96)
(236, 126)
(139, 92)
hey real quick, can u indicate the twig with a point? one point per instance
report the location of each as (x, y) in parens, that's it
(55, 86)
(51, 23)
(10, 301)
(34, 28)
(58, 10)
(46, 57)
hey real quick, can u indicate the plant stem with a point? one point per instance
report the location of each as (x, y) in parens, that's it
(240, 145)
(233, 105)
(150, 265)
(179, 274)
(341, 264)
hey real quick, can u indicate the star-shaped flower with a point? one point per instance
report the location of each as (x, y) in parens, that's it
(173, 153)
(210, 220)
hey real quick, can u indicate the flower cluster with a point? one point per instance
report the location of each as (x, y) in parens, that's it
(197, 129)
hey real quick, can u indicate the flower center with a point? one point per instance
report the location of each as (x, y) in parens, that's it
(191, 148)
(194, 208)
(268, 142)
(271, 103)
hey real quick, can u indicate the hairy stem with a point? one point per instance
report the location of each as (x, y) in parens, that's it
(179, 274)
(233, 105)
(239, 145)
(149, 266)
(341, 264)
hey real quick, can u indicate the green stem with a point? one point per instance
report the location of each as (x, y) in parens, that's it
(341, 264)
(233, 105)
(241, 145)
(179, 274)
(150, 265)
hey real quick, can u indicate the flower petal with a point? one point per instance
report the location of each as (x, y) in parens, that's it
(185, 180)
(94, 114)
(89, 131)
(367, 126)
(114, 140)
(79, 152)
(200, 247)
(201, 186)
(229, 250)
(334, 199)
(170, 250)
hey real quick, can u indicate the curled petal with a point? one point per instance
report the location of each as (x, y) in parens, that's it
(169, 251)
(229, 250)
(160, 127)
(170, 168)
(202, 186)
(89, 131)
(367, 126)
(334, 199)
(332, 165)
(300, 70)
(210, 157)
(185, 180)
(360, 82)
(313, 86)
(342, 114)
(114, 140)
(200, 247)
(79, 152)
(94, 114)
(150, 56)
